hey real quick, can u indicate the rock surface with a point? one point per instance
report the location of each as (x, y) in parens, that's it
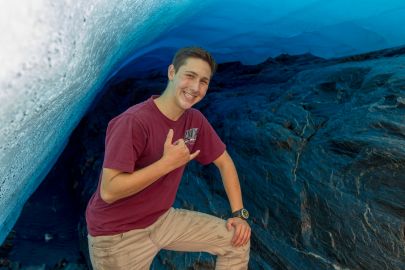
(319, 146)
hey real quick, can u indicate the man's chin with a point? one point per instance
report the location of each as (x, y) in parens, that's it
(187, 105)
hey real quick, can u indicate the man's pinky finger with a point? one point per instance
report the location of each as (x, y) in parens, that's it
(246, 237)
(193, 155)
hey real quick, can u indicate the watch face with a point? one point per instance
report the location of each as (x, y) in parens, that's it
(245, 213)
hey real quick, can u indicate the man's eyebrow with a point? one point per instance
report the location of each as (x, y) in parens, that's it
(196, 74)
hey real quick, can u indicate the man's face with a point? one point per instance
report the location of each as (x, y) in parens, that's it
(190, 82)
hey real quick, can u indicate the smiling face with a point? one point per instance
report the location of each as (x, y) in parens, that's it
(189, 84)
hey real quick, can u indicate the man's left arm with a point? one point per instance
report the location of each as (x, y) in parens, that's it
(232, 187)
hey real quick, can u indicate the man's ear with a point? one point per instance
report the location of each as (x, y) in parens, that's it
(171, 72)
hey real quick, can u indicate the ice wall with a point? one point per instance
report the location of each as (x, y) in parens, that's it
(56, 56)
(251, 31)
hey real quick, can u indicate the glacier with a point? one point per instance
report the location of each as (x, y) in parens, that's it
(56, 57)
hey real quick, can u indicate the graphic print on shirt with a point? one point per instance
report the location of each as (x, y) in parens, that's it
(190, 136)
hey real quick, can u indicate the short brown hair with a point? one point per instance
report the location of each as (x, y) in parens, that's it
(182, 54)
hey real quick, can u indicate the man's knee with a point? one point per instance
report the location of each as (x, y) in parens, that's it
(236, 258)
(234, 251)
(242, 250)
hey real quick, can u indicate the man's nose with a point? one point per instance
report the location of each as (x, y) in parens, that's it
(194, 85)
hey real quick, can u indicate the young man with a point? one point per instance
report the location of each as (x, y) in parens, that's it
(130, 216)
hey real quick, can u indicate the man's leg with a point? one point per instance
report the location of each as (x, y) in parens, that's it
(185, 230)
(130, 250)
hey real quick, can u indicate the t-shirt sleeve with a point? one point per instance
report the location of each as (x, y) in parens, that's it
(124, 143)
(209, 143)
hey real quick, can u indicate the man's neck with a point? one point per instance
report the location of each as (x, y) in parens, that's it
(166, 106)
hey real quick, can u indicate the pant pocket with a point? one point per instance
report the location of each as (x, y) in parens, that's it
(103, 246)
(106, 252)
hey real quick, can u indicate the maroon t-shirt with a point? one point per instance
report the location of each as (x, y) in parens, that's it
(135, 139)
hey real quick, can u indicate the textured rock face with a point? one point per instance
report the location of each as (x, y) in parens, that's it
(320, 150)
(321, 156)
(322, 161)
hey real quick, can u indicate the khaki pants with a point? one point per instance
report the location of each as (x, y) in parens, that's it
(177, 229)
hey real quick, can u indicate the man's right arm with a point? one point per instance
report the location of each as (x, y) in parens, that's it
(116, 185)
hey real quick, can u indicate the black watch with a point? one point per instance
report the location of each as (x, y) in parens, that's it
(242, 213)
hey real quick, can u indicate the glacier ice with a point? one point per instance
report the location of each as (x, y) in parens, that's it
(56, 55)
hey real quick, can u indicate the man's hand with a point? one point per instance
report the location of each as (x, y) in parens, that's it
(177, 154)
(242, 231)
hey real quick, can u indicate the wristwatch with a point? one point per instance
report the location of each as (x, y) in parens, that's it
(242, 213)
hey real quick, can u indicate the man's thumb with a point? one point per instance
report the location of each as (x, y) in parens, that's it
(229, 225)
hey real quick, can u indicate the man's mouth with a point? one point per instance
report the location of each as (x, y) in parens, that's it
(189, 96)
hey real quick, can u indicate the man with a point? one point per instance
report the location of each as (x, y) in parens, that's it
(130, 216)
